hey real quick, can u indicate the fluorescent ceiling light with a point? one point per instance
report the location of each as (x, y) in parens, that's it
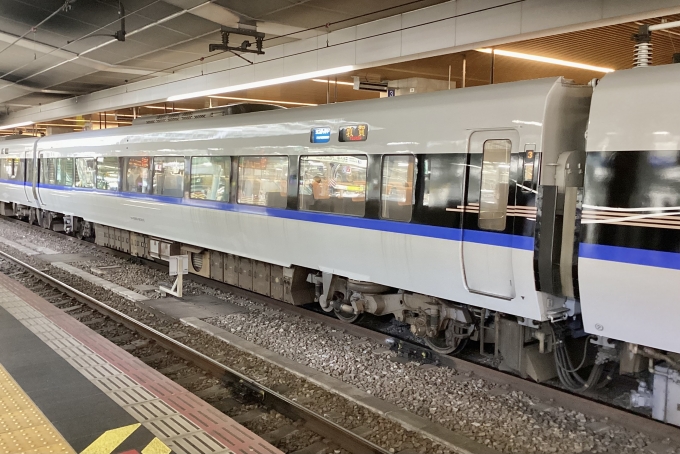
(97, 121)
(263, 83)
(17, 125)
(41, 125)
(552, 61)
(265, 100)
(334, 82)
(165, 108)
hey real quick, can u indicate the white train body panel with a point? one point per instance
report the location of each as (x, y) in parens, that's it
(629, 265)
(418, 258)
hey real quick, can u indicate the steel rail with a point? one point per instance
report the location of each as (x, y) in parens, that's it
(556, 396)
(316, 423)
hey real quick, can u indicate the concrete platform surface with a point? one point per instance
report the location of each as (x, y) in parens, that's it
(65, 389)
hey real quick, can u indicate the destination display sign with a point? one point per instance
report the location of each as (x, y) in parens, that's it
(357, 133)
(320, 135)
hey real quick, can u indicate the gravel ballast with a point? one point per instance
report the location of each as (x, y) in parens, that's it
(504, 419)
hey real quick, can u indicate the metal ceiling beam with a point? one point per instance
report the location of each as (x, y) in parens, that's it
(69, 56)
(205, 9)
(441, 29)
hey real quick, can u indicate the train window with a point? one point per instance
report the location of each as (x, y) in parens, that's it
(493, 197)
(85, 172)
(396, 194)
(56, 171)
(333, 184)
(210, 178)
(263, 180)
(47, 171)
(168, 176)
(137, 177)
(108, 173)
(11, 169)
(28, 163)
(64, 171)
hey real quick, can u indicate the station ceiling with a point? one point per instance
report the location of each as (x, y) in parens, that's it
(32, 77)
(74, 52)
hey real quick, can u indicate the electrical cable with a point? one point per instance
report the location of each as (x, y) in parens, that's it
(170, 68)
(568, 374)
(63, 7)
(585, 355)
(203, 58)
(68, 43)
(341, 43)
(344, 20)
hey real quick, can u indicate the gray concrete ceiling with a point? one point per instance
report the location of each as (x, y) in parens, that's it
(73, 53)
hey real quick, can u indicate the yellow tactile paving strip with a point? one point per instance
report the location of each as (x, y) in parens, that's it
(23, 427)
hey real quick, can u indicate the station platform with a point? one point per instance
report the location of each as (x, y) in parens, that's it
(66, 389)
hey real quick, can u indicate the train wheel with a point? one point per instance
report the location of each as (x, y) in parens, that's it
(448, 341)
(347, 318)
(343, 310)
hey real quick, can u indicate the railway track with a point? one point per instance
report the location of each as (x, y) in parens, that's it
(556, 397)
(249, 396)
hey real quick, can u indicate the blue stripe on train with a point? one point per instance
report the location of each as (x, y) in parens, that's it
(446, 233)
(633, 256)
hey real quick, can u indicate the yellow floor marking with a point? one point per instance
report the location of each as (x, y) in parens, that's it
(110, 440)
(156, 447)
(23, 427)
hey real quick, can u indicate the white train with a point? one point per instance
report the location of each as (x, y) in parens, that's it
(524, 215)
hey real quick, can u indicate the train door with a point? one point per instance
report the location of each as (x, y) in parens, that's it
(487, 230)
(28, 167)
(39, 172)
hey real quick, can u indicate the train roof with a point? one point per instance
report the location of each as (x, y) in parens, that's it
(422, 117)
(16, 147)
(636, 109)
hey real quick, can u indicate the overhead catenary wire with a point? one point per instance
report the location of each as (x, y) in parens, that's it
(87, 35)
(63, 7)
(359, 16)
(441, 19)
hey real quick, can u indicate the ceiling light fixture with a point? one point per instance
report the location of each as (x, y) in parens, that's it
(264, 100)
(42, 125)
(263, 83)
(17, 125)
(552, 61)
(351, 84)
(96, 121)
(165, 108)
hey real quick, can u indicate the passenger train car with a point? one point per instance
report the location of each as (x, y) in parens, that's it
(524, 215)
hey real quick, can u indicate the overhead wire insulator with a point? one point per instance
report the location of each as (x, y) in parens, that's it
(643, 47)
(643, 55)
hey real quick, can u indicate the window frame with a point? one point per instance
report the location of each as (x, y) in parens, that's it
(43, 171)
(507, 184)
(126, 168)
(14, 176)
(152, 161)
(238, 178)
(364, 156)
(413, 185)
(75, 172)
(120, 173)
(229, 161)
(59, 171)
